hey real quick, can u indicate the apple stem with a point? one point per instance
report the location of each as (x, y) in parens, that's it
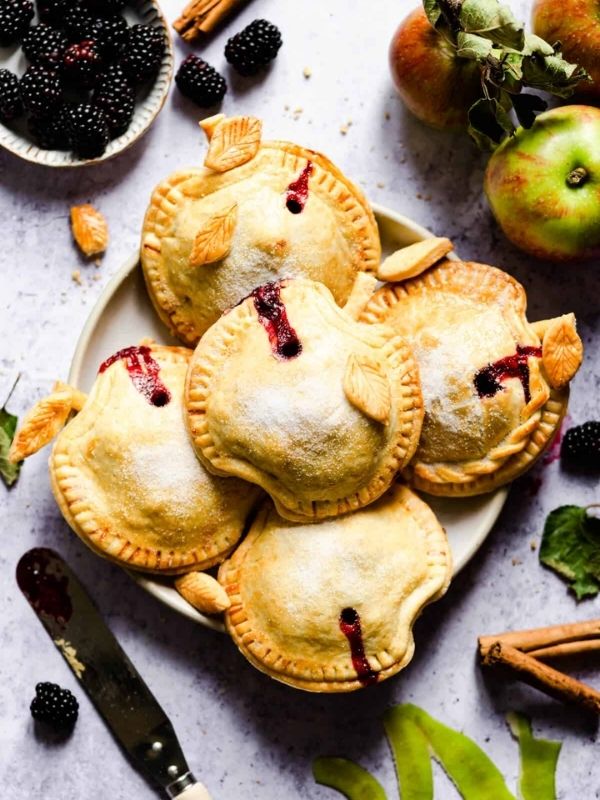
(577, 176)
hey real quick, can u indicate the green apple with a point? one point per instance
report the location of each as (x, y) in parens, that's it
(543, 185)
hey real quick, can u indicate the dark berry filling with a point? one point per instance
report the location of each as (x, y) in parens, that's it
(272, 315)
(297, 192)
(351, 628)
(488, 381)
(144, 373)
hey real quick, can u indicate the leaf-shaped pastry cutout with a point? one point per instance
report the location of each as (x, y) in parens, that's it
(562, 351)
(234, 141)
(90, 230)
(203, 592)
(43, 422)
(209, 124)
(414, 259)
(367, 387)
(213, 240)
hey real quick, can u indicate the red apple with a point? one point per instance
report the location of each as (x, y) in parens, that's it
(576, 25)
(543, 185)
(436, 85)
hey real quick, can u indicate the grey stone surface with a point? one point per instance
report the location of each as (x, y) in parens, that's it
(245, 735)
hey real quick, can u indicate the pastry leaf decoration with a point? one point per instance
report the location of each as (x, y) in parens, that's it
(414, 736)
(213, 240)
(485, 31)
(234, 141)
(571, 547)
(562, 351)
(203, 592)
(43, 422)
(367, 388)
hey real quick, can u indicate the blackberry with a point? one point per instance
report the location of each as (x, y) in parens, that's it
(11, 105)
(82, 63)
(254, 47)
(143, 52)
(15, 16)
(79, 25)
(581, 446)
(112, 35)
(41, 90)
(44, 45)
(53, 11)
(115, 96)
(200, 82)
(104, 7)
(55, 706)
(88, 130)
(52, 133)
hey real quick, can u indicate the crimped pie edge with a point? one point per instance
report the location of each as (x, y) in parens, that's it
(167, 196)
(336, 679)
(79, 512)
(399, 356)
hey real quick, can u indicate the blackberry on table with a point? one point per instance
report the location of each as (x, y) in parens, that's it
(581, 446)
(253, 48)
(200, 82)
(88, 130)
(116, 98)
(143, 52)
(11, 105)
(53, 11)
(54, 706)
(15, 16)
(112, 35)
(52, 133)
(44, 45)
(79, 25)
(82, 63)
(41, 90)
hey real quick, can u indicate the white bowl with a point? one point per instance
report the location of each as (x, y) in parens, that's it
(17, 140)
(124, 314)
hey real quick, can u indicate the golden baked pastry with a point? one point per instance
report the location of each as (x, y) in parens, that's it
(125, 475)
(494, 392)
(262, 212)
(329, 607)
(287, 391)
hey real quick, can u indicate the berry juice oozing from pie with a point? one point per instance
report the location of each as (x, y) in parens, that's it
(274, 319)
(297, 191)
(144, 372)
(351, 628)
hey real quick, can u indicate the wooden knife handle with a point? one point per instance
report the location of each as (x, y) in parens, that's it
(196, 792)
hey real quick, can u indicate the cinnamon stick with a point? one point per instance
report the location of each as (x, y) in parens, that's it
(200, 17)
(541, 676)
(536, 638)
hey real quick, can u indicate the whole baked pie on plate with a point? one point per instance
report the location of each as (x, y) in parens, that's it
(329, 606)
(495, 386)
(289, 392)
(124, 473)
(257, 212)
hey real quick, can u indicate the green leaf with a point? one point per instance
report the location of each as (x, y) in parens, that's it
(489, 123)
(433, 11)
(536, 45)
(8, 427)
(571, 547)
(539, 758)
(350, 779)
(552, 74)
(494, 20)
(526, 106)
(475, 776)
(469, 45)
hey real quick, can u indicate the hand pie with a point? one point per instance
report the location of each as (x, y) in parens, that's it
(210, 237)
(289, 392)
(125, 475)
(329, 607)
(494, 392)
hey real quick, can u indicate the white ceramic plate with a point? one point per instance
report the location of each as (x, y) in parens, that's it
(123, 315)
(17, 139)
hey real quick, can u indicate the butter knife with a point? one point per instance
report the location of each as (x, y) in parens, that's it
(112, 683)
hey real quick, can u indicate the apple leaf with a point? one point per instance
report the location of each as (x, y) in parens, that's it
(469, 45)
(526, 107)
(571, 547)
(495, 21)
(552, 74)
(488, 122)
(8, 427)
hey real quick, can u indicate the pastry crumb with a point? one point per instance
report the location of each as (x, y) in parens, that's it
(516, 562)
(76, 277)
(387, 115)
(307, 72)
(343, 129)
(380, 185)
(96, 277)
(286, 107)
(533, 544)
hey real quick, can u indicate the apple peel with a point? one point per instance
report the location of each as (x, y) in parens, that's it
(408, 262)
